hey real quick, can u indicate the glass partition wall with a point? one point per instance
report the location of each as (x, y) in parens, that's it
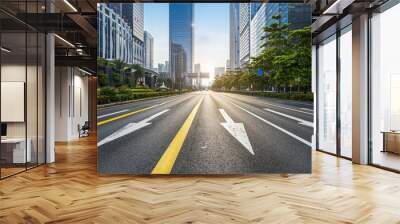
(345, 61)
(326, 57)
(334, 83)
(22, 77)
(385, 89)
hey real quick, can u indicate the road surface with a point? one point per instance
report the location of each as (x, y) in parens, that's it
(205, 132)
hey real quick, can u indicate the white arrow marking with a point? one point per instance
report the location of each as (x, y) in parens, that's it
(275, 126)
(301, 121)
(236, 130)
(129, 128)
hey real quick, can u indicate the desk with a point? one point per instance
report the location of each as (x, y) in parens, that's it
(18, 149)
(391, 141)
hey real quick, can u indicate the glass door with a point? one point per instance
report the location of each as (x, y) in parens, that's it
(327, 95)
(346, 92)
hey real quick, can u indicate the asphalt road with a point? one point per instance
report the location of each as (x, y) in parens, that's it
(206, 133)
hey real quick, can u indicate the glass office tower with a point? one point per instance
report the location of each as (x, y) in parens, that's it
(180, 41)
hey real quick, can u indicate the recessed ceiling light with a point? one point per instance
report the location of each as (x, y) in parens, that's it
(5, 50)
(86, 72)
(64, 40)
(70, 5)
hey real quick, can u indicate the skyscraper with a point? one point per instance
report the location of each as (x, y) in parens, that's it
(148, 50)
(297, 15)
(115, 39)
(181, 39)
(244, 32)
(219, 71)
(197, 68)
(234, 36)
(133, 14)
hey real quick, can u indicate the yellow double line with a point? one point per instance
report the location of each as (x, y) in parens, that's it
(167, 160)
(129, 114)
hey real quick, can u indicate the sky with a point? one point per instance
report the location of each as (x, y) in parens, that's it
(211, 33)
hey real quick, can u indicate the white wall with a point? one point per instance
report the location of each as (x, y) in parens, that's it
(71, 87)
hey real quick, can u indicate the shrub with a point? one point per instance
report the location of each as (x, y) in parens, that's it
(289, 96)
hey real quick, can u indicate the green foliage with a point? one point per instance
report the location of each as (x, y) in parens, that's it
(123, 93)
(285, 60)
(288, 96)
(117, 73)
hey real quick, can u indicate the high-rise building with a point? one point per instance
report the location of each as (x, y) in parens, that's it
(133, 14)
(116, 7)
(161, 67)
(166, 66)
(244, 32)
(115, 40)
(148, 50)
(197, 68)
(181, 39)
(219, 71)
(234, 36)
(228, 65)
(297, 15)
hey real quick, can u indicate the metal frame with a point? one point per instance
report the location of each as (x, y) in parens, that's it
(389, 4)
(338, 153)
(380, 9)
(44, 77)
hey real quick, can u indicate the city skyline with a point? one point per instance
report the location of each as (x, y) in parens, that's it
(211, 33)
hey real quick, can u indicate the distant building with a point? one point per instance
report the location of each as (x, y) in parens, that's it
(148, 50)
(195, 80)
(161, 67)
(228, 65)
(166, 66)
(197, 68)
(234, 36)
(218, 71)
(244, 31)
(181, 40)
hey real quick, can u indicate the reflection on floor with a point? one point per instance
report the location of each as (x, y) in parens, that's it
(387, 159)
(70, 191)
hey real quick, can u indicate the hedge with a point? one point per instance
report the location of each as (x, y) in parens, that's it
(289, 96)
(107, 95)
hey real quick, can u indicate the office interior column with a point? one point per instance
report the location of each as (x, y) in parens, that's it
(360, 90)
(50, 99)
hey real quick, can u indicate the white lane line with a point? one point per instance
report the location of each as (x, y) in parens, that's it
(275, 126)
(301, 121)
(237, 130)
(129, 128)
(126, 110)
(287, 108)
(303, 108)
(107, 115)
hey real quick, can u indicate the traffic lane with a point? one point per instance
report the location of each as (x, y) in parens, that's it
(280, 106)
(109, 128)
(293, 103)
(209, 148)
(139, 152)
(123, 108)
(265, 103)
(274, 150)
(291, 125)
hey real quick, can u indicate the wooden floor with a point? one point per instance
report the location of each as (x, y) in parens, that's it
(70, 191)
